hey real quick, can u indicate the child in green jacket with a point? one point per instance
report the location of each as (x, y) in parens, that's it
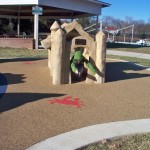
(77, 64)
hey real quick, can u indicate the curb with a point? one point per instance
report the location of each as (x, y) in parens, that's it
(91, 134)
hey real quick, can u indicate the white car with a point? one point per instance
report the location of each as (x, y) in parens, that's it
(141, 42)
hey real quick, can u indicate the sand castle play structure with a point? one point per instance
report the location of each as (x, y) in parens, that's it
(63, 40)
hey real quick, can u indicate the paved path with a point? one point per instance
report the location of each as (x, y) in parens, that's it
(130, 54)
(30, 111)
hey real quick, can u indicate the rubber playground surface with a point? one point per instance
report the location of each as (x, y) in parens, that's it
(32, 109)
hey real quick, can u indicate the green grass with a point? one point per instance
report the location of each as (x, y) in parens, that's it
(136, 142)
(23, 53)
(128, 48)
(144, 62)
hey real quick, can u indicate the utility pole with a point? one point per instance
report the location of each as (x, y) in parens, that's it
(132, 33)
(101, 25)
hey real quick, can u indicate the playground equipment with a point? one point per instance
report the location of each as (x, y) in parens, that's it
(113, 32)
(64, 39)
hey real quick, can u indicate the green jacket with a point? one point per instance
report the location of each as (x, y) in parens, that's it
(79, 57)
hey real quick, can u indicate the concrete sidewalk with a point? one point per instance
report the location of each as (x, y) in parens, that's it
(129, 54)
(81, 137)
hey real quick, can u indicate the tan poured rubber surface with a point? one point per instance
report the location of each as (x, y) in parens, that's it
(27, 117)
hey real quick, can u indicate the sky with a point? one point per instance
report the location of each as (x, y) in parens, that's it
(119, 9)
